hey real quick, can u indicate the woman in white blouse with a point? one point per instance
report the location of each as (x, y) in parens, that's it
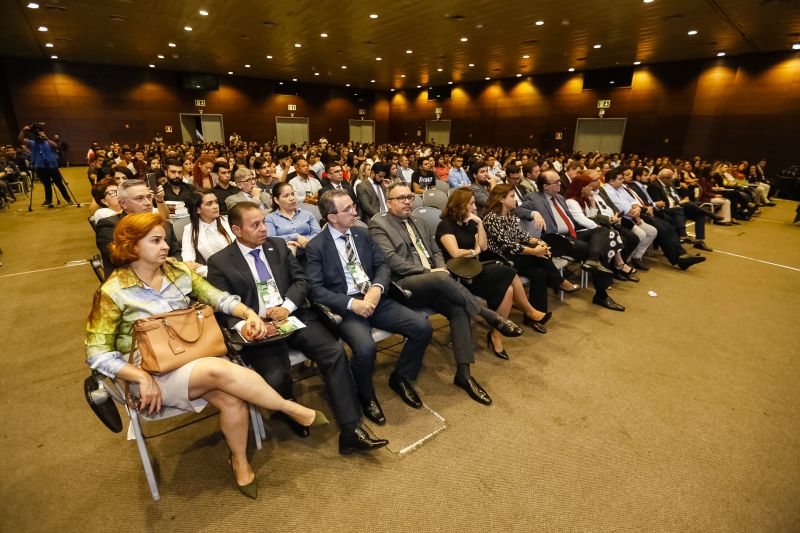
(207, 233)
(585, 209)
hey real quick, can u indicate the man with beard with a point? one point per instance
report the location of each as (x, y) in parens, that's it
(176, 190)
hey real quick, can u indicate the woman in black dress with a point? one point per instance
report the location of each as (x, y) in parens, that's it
(460, 234)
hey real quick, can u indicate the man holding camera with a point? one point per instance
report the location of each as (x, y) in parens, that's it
(44, 161)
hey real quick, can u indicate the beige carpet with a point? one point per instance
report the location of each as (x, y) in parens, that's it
(679, 415)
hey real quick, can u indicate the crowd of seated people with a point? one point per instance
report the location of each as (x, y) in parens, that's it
(254, 254)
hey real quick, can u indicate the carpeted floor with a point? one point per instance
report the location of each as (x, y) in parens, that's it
(679, 415)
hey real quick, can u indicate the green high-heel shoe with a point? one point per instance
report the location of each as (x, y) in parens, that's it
(251, 489)
(319, 419)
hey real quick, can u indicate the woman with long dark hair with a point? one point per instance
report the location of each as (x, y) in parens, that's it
(207, 233)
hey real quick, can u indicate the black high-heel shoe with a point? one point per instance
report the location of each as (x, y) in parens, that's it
(538, 325)
(490, 345)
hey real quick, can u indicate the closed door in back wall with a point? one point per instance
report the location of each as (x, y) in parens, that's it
(599, 135)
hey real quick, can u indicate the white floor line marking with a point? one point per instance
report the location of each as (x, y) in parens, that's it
(415, 445)
(758, 260)
(42, 270)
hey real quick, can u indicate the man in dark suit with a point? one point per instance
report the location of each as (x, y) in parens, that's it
(335, 181)
(134, 197)
(418, 266)
(268, 278)
(349, 274)
(371, 193)
(671, 207)
(587, 245)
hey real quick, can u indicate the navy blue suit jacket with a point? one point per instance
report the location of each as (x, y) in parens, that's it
(326, 273)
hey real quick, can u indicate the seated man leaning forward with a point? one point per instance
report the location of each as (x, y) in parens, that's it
(268, 278)
(418, 266)
(349, 274)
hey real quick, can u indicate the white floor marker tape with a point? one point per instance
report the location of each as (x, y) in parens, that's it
(758, 260)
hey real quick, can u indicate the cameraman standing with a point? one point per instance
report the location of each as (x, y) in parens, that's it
(44, 161)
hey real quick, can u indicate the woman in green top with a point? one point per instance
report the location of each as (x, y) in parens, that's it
(146, 283)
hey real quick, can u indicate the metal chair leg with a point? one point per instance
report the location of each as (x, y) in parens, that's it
(148, 466)
(256, 429)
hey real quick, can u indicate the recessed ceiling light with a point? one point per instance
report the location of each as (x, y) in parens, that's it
(464, 39)
(692, 32)
(187, 28)
(402, 75)
(323, 35)
(269, 57)
(449, 83)
(316, 74)
(294, 79)
(796, 46)
(378, 59)
(539, 22)
(526, 56)
(472, 64)
(409, 51)
(297, 45)
(53, 57)
(392, 89)
(648, 1)
(637, 62)
(611, 82)
(720, 54)
(247, 66)
(598, 46)
(487, 78)
(419, 86)
(372, 81)
(373, 15)
(280, 83)
(344, 67)
(230, 72)
(42, 28)
(150, 65)
(439, 69)
(48, 45)
(172, 45)
(203, 12)
(160, 56)
(570, 69)
(519, 75)
(347, 85)
(33, 5)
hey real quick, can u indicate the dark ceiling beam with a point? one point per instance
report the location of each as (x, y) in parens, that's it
(714, 4)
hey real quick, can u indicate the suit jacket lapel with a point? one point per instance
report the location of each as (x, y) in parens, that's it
(274, 261)
(331, 251)
(242, 268)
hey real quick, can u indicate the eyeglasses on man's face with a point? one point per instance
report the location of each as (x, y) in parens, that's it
(404, 198)
(246, 180)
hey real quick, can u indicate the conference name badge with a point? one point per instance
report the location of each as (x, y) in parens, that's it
(269, 293)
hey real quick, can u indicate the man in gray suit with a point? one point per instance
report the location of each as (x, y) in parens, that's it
(248, 191)
(418, 266)
(371, 193)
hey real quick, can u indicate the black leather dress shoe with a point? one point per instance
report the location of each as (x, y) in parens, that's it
(359, 441)
(403, 388)
(593, 265)
(608, 303)
(506, 327)
(701, 245)
(685, 261)
(474, 390)
(638, 264)
(372, 410)
(537, 325)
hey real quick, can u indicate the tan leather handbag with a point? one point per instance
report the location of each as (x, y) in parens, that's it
(170, 340)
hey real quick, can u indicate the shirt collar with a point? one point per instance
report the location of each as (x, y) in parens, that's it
(245, 249)
(335, 233)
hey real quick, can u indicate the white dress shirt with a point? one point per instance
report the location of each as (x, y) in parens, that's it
(578, 214)
(620, 197)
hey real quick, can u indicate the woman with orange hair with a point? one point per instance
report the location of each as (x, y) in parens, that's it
(201, 173)
(147, 283)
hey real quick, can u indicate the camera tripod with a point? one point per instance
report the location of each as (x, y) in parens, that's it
(53, 188)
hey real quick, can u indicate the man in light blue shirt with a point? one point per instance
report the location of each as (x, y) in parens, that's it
(457, 177)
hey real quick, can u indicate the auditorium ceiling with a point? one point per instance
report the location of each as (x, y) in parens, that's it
(400, 44)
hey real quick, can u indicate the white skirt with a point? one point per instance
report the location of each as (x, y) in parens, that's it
(175, 388)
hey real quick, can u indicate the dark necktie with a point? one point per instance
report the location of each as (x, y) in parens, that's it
(351, 258)
(261, 268)
(563, 215)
